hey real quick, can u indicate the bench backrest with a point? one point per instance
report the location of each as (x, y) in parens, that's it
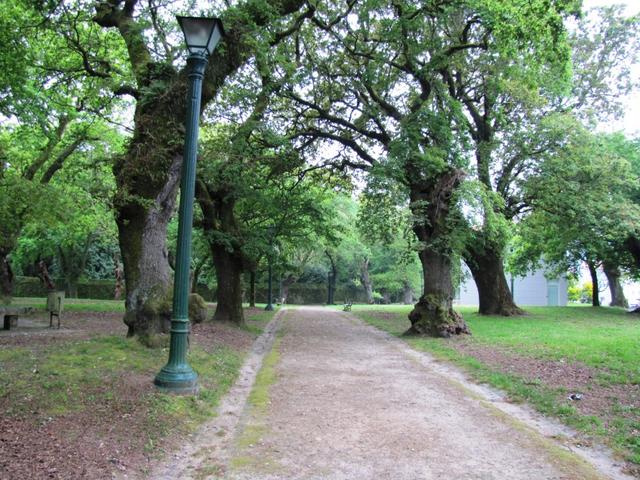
(55, 301)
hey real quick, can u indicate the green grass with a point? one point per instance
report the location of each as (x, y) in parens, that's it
(73, 304)
(41, 381)
(606, 339)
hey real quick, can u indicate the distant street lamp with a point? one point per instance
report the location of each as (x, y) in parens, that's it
(201, 36)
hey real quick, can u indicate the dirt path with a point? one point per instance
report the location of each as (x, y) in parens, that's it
(348, 402)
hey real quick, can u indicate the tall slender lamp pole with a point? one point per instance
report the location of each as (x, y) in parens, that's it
(201, 35)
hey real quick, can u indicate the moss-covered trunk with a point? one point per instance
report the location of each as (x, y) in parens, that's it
(433, 315)
(142, 235)
(431, 201)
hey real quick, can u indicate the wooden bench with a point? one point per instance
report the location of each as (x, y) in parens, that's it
(347, 306)
(10, 315)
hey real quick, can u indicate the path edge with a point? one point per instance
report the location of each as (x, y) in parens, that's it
(599, 456)
(212, 443)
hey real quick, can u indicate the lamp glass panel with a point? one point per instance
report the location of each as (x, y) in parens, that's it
(214, 39)
(197, 32)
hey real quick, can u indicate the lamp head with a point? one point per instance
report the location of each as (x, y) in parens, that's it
(201, 34)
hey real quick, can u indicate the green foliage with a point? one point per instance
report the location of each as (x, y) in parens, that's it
(580, 293)
(582, 206)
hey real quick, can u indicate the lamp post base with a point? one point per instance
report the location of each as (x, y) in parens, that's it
(179, 381)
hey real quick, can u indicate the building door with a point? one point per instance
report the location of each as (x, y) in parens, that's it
(552, 294)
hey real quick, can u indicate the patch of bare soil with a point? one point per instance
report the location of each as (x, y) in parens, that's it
(110, 433)
(216, 333)
(89, 444)
(33, 329)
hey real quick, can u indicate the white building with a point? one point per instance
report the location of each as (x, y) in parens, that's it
(533, 290)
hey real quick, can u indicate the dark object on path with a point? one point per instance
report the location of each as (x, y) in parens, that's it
(347, 306)
(575, 396)
(55, 301)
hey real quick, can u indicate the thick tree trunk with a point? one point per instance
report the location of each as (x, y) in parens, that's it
(142, 235)
(495, 297)
(615, 286)
(6, 277)
(146, 176)
(433, 315)
(229, 277)
(252, 288)
(221, 231)
(430, 203)
(595, 288)
(366, 280)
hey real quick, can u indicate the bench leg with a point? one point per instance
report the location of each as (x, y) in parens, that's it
(51, 315)
(10, 321)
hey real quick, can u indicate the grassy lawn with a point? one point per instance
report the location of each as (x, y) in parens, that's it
(109, 377)
(606, 340)
(72, 304)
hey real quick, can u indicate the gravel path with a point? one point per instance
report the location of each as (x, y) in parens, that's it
(349, 403)
(339, 400)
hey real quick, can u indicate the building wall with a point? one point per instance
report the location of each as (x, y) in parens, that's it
(534, 290)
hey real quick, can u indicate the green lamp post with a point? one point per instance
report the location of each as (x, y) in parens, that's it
(201, 36)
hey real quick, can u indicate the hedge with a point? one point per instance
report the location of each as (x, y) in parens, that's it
(33, 287)
(303, 293)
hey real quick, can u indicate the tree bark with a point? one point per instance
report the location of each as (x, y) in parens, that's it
(332, 279)
(222, 234)
(142, 236)
(595, 289)
(633, 246)
(146, 175)
(229, 277)
(366, 280)
(6, 277)
(252, 288)
(286, 282)
(486, 265)
(430, 202)
(615, 286)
